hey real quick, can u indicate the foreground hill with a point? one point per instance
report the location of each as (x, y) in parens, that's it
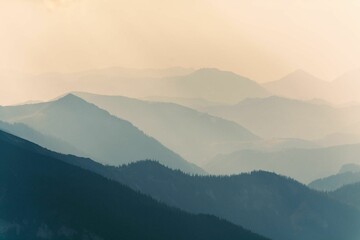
(43, 197)
(274, 206)
(94, 132)
(194, 135)
(304, 165)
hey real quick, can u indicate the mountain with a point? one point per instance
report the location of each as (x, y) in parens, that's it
(194, 103)
(209, 84)
(335, 182)
(25, 132)
(348, 174)
(213, 85)
(194, 135)
(273, 205)
(304, 165)
(278, 117)
(299, 85)
(348, 194)
(113, 80)
(43, 197)
(95, 132)
(347, 87)
(351, 167)
(266, 203)
(302, 85)
(339, 139)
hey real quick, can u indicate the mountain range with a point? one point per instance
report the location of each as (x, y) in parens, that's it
(93, 131)
(42, 197)
(279, 117)
(194, 135)
(304, 165)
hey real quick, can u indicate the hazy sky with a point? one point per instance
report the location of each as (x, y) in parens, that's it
(260, 39)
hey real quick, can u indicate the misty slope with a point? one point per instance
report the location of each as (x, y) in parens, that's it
(335, 182)
(114, 80)
(349, 194)
(195, 136)
(304, 86)
(274, 206)
(213, 85)
(277, 117)
(347, 87)
(194, 103)
(25, 132)
(304, 165)
(95, 132)
(339, 139)
(299, 85)
(348, 174)
(45, 198)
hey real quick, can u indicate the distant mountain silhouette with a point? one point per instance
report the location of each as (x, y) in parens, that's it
(348, 174)
(194, 103)
(42, 197)
(194, 135)
(304, 86)
(338, 139)
(351, 167)
(95, 132)
(304, 165)
(347, 87)
(277, 117)
(299, 85)
(214, 85)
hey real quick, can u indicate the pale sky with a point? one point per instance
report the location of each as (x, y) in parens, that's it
(260, 39)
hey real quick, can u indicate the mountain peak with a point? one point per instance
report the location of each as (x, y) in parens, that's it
(214, 72)
(69, 99)
(301, 75)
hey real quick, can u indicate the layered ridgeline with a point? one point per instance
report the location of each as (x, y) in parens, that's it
(278, 117)
(25, 132)
(300, 85)
(348, 174)
(42, 197)
(209, 84)
(304, 86)
(194, 135)
(349, 194)
(94, 132)
(304, 165)
(213, 85)
(274, 206)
